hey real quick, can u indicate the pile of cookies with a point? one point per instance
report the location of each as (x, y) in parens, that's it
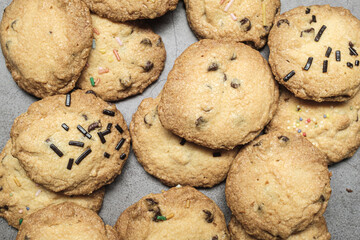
(204, 127)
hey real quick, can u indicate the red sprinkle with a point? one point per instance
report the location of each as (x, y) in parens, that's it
(308, 120)
(102, 71)
(96, 31)
(116, 54)
(304, 134)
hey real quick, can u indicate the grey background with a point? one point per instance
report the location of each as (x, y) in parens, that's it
(342, 214)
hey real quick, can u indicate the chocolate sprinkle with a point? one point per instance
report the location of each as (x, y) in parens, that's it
(183, 141)
(76, 143)
(357, 63)
(328, 52)
(108, 112)
(107, 155)
(64, 126)
(308, 64)
(307, 11)
(123, 156)
(209, 216)
(90, 92)
(349, 64)
(102, 139)
(93, 126)
(338, 56)
(313, 19)
(307, 31)
(106, 132)
(82, 156)
(70, 163)
(109, 126)
(68, 100)
(353, 52)
(325, 66)
(119, 145)
(290, 75)
(281, 21)
(320, 33)
(217, 154)
(56, 150)
(119, 128)
(83, 131)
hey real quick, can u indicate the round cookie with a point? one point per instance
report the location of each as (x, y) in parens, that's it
(19, 196)
(125, 59)
(317, 230)
(123, 10)
(314, 52)
(65, 221)
(179, 213)
(219, 94)
(332, 127)
(73, 149)
(278, 185)
(169, 157)
(46, 44)
(246, 21)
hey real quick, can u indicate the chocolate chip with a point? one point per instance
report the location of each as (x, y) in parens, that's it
(322, 198)
(85, 117)
(146, 42)
(50, 32)
(148, 66)
(183, 141)
(209, 217)
(235, 83)
(7, 45)
(245, 24)
(93, 126)
(257, 144)
(281, 21)
(283, 138)
(200, 121)
(233, 57)
(26, 238)
(217, 154)
(307, 31)
(13, 24)
(126, 82)
(90, 92)
(213, 67)
(151, 201)
(159, 42)
(4, 208)
(215, 237)
(225, 77)
(307, 11)
(277, 10)
(351, 44)
(313, 19)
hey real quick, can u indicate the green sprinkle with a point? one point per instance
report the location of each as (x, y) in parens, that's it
(92, 81)
(162, 218)
(20, 221)
(351, 108)
(11, 194)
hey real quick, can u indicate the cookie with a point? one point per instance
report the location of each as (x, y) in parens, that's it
(46, 44)
(313, 52)
(65, 221)
(169, 157)
(317, 230)
(73, 143)
(19, 196)
(245, 21)
(219, 94)
(179, 213)
(125, 59)
(332, 127)
(123, 10)
(278, 185)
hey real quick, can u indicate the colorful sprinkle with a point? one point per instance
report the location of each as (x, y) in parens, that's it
(103, 70)
(308, 120)
(102, 50)
(119, 41)
(93, 44)
(70, 163)
(299, 131)
(82, 156)
(162, 218)
(96, 31)
(316, 125)
(304, 134)
(20, 221)
(233, 16)
(92, 81)
(351, 108)
(228, 5)
(170, 216)
(116, 53)
(320, 33)
(37, 193)
(27, 208)
(11, 194)
(300, 118)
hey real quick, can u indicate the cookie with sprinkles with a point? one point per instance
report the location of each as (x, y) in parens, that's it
(180, 213)
(332, 127)
(46, 56)
(314, 52)
(19, 196)
(169, 157)
(219, 94)
(124, 10)
(317, 230)
(125, 59)
(245, 21)
(65, 221)
(277, 185)
(79, 159)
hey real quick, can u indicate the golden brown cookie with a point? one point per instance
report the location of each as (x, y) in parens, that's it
(317, 230)
(245, 21)
(219, 94)
(278, 185)
(180, 213)
(19, 196)
(332, 127)
(169, 157)
(314, 52)
(125, 59)
(65, 221)
(123, 10)
(73, 143)
(46, 44)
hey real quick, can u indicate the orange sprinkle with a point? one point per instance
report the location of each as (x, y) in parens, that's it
(17, 182)
(222, 1)
(116, 54)
(170, 216)
(104, 70)
(96, 31)
(97, 81)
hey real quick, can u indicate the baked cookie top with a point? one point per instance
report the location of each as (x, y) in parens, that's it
(124, 60)
(277, 185)
(314, 52)
(65, 221)
(46, 44)
(317, 230)
(179, 213)
(246, 21)
(169, 157)
(332, 127)
(124, 10)
(73, 143)
(19, 196)
(219, 94)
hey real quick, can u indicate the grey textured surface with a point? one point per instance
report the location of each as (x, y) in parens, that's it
(343, 212)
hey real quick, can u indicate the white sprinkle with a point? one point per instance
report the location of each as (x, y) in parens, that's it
(20, 211)
(228, 5)
(178, 186)
(37, 193)
(306, 125)
(233, 16)
(288, 121)
(307, 111)
(288, 127)
(119, 41)
(314, 119)
(101, 68)
(322, 122)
